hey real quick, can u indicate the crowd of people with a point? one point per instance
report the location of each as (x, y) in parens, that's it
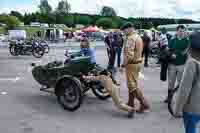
(179, 59)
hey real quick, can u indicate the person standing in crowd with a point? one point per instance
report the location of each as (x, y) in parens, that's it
(132, 62)
(108, 42)
(163, 41)
(66, 34)
(187, 101)
(113, 51)
(153, 33)
(117, 45)
(164, 54)
(179, 45)
(120, 47)
(146, 51)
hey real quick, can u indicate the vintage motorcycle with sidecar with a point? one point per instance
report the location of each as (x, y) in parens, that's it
(66, 80)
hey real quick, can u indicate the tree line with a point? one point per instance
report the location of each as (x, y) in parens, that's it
(107, 18)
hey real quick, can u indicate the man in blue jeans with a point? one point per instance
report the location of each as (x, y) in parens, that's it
(190, 122)
(117, 45)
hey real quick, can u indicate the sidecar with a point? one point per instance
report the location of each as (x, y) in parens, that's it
(66, 81)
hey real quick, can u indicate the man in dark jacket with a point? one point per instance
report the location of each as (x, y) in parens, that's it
(117, 45)
(146, 41)
(165, 59)
(108, 42)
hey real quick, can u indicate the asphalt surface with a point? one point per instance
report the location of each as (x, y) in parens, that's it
(24, 109)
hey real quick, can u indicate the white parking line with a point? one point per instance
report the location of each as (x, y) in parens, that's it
(10, 79)
(4, 93)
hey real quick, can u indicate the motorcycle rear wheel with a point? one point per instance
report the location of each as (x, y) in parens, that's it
(13, 50)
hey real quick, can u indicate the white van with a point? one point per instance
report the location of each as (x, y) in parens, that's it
(16, 34)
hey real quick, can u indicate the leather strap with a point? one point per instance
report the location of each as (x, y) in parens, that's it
(135, 62)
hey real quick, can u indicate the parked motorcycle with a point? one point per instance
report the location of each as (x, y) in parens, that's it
(45, 45)
(21, 47)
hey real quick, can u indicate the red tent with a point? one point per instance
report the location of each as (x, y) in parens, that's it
(90, 29)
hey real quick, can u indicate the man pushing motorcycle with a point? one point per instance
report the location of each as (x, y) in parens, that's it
(113, 89)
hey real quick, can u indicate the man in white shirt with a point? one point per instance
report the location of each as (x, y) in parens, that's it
(163, 39)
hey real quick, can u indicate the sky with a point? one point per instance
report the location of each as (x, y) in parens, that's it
(125, 8)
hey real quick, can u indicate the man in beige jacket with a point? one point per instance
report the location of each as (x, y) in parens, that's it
(133, 48)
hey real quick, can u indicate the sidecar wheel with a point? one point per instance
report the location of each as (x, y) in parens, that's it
(69, 93)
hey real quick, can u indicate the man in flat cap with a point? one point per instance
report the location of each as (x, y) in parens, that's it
(132, 63)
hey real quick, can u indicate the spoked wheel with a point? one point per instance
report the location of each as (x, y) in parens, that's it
(70, 94)
(99, 91)
(13, 50)
(46, 48)
(171, 103)
(38, 52)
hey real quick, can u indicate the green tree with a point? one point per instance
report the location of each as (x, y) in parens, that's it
(44, 6)
(11, 21)
(17, 14)
(106, 23)
(108, 11)
(150, 24)
(65, 19)
(64, 7)
(84, 20)
(118, 21)
(69, 21)
(136, 21)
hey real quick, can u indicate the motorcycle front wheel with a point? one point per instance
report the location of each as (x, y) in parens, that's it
(38, 51)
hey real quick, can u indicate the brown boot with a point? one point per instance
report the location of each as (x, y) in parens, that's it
(143, 102)
(131, 103)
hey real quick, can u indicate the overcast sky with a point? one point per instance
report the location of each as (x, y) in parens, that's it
(125, 8)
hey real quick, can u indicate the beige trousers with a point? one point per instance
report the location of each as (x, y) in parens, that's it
(115, 94)
(132, 76)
